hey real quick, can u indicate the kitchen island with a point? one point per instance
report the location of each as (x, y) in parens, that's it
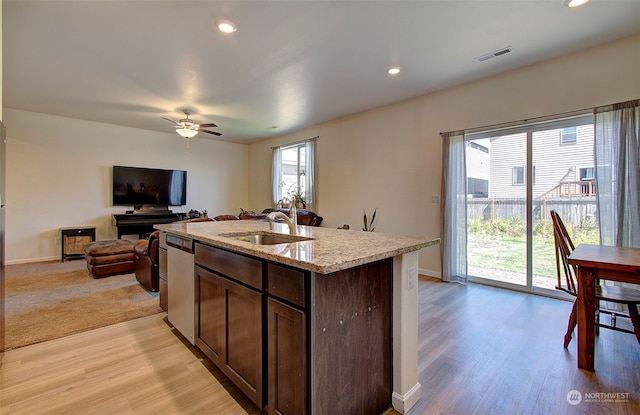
(323, 324)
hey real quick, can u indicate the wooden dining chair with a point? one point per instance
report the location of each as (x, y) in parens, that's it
(567, 283)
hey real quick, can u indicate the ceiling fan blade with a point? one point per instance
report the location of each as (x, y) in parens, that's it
(208, 125)
(210, 132)
(175, 122)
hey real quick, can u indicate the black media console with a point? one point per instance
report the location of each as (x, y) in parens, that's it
(142, 223)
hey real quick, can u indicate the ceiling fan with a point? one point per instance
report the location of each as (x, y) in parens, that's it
(187, 128)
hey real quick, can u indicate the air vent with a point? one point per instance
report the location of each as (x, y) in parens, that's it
(495, 54)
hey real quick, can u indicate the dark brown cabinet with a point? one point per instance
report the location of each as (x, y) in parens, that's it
(229, 323)
(210, 334)
(286, 341)
(287, 363)
(329, 340)
(243, 358)
(320, 343)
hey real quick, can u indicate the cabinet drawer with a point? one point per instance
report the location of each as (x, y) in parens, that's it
(286, 283)
(79, 232)
(239, 267)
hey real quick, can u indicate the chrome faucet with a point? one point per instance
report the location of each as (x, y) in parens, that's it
(291, 220)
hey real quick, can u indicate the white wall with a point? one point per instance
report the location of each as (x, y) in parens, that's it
(59, 175)
(390, 158)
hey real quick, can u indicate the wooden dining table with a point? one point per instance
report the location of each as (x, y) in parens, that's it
(598, 262)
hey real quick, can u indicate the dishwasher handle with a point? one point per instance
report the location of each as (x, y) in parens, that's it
(183, 244)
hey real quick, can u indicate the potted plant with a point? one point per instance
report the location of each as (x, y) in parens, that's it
(369, 225)
(299, 200)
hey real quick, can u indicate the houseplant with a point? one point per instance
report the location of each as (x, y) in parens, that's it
(369, 225)
(299, 199)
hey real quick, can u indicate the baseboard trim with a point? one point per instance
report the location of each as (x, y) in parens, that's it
(32, 260)
(403, 403)
(430, 273)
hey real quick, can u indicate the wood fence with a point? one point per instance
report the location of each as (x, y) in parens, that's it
(571, 211)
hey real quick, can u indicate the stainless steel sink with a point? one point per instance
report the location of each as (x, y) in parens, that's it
(267, 238)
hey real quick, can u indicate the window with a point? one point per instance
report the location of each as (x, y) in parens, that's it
(568, 135)
(520, 177)
(477, 187)
(586, 173)
(587, 176)
(293, 173)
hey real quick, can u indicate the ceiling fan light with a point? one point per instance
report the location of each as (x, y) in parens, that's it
(186, 132)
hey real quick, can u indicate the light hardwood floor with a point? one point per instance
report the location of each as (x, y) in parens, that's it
(482, 351)
(136, 367)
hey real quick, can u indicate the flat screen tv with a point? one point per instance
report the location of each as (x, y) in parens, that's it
(138, 186)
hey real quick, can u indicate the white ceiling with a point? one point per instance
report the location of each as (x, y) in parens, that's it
(291, 64)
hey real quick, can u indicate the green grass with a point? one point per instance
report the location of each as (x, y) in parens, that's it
(501, 244)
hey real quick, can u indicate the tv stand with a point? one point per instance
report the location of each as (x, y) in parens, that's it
(152, 209)
(142, 223)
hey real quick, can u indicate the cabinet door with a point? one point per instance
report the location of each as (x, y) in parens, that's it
(210, 314)
(243, 359)
(287, 373)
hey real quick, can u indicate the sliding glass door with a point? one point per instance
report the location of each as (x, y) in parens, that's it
(496, 208)
(515, 177)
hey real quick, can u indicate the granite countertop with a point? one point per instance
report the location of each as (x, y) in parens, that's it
(329, 250)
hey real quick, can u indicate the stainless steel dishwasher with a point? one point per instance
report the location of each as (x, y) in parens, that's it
(181, 287)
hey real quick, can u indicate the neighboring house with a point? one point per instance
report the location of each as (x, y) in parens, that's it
(562, 164)
(478, 168)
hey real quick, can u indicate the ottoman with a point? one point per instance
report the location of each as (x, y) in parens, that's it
(106, 258)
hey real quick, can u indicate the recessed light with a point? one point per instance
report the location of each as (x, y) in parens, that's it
(226, 26)
(575, 3)
(393, 71)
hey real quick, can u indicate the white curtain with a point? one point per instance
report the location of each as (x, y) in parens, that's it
(453, 238)
(310, 174)
(617, 161)
(276, 175)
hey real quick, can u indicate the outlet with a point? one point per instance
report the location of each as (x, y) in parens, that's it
(57, 240)
(412, 276)
(435, 198)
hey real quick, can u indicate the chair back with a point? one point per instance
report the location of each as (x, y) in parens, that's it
(564, 247)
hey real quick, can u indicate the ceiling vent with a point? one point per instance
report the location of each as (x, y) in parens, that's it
(495, 54)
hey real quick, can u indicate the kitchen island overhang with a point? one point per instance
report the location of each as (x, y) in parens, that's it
(329, 251)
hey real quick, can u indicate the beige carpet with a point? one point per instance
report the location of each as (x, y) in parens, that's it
(47, 300)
